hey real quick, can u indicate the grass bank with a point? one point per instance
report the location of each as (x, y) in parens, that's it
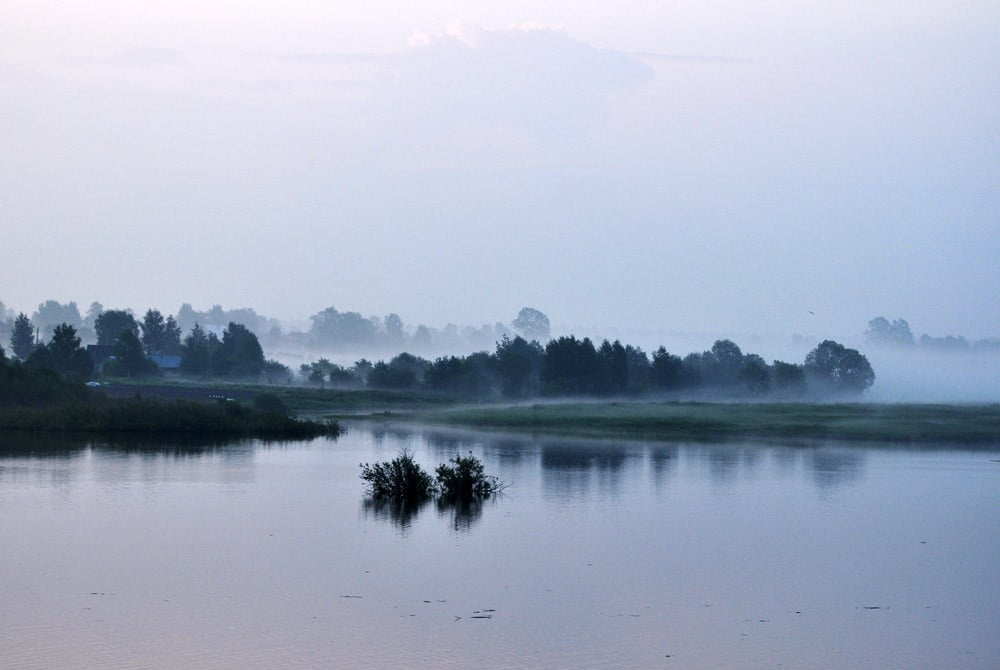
(155, 416)
(697, 421)
(302, 400)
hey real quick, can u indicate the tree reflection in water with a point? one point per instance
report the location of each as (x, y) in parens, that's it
(402, 513)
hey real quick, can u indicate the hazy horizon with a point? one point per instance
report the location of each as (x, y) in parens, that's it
(647, 166)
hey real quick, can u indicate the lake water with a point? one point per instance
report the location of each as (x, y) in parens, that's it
(599, 555)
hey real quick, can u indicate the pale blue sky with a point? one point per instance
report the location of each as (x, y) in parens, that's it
(713, 166)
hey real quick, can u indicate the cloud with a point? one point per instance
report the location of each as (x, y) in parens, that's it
(530, 78)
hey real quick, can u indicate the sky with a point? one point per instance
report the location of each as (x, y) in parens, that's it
(765, 167)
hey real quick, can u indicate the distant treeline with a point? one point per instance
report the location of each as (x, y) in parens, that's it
(329, 330)
(518, 367)
(570, 366)
(129, 348)
(38, 398)
(896, 333)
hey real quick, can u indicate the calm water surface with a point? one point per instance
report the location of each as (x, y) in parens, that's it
(599, 555)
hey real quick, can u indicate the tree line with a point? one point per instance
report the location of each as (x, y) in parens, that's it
(896, 333)
(519, 368)
(127, 347)
(328, 330)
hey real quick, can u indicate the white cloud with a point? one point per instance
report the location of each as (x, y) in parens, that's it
(529, 78)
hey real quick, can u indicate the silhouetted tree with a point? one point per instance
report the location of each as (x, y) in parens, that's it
(616, 361)
(63, 353)
(788, 378)
(471, 375)
(240, 354)
(667, 370)
(322, 370)
(841, 369)
(754, 374)
(361, 369)
(640, 373)
(405, 371)
(728, 362)
(276, 373)
(573, 366)
(532, 324)
(881, 331)
(154, 331)
(171, 337)
(129, 358)
(197, 351)
(518, 364)
(111, 324)
(22, 337)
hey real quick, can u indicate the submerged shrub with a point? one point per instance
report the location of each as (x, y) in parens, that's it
(400, 478)
(463, 479)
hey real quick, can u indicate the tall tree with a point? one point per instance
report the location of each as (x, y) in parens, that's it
(839, 368)
(22, 337)
(667, 370)
(63, 353)
(111, 324)
(394, 329)
(616, 361)
(197, 351)
(240, 354)
(882, 331)
(91, 318)
(130, 360)
(532, 324)
(573, 366)
(153, 332)
(171, 337)
(519, 363)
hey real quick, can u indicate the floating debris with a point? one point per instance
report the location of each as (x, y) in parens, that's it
(359, 597)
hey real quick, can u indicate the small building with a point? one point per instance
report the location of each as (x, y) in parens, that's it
(168, 364)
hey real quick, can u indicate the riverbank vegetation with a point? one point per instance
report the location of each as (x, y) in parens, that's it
(968, 424)
(42, 400)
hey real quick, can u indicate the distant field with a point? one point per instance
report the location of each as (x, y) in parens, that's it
(300, 399)
(978, 424)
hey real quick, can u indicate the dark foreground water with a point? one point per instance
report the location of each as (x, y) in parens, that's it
(600, 555)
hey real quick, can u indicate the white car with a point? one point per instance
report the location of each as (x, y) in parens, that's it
(93, 384)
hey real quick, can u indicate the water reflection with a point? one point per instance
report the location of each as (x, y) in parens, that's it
(400, 513)
(570, 468)
(62, 445)
(833, 467)
(575, 467)
(461, 515)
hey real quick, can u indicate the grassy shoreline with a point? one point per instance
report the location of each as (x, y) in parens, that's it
(145, 416)
(701, 421)
(633, 418)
